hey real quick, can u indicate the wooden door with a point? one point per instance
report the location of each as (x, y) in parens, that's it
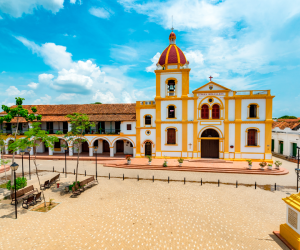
(120, 147)
(105, 146)
(171, 134)
(209, 148)
(85, 147)
(148, 149)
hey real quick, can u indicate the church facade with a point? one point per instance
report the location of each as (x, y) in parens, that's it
(210, 122)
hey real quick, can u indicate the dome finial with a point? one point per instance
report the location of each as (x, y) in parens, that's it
(172, 37)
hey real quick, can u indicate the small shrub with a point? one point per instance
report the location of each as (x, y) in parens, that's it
(263, 164)
(58, 132)
(278, 163)
(180, 160)
(165, 164)
(149, 158)
(249, 162)
(128, 157)
(21, 182)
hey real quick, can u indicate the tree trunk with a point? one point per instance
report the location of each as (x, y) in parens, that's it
(13, 158)
(79, 144)
(3, 165)
(37, 175)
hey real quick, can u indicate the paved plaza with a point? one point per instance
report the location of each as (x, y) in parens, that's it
(131, 214)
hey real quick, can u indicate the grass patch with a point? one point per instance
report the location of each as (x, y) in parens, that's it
(41, 208)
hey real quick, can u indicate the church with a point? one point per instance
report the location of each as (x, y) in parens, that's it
(212, 121)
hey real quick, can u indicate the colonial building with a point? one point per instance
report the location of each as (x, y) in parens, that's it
(210, 122)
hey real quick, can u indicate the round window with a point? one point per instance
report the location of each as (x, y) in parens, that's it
(210, 100)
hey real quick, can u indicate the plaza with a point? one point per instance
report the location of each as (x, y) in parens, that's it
(142, 214)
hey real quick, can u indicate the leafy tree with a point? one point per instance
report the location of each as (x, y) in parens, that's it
(2, 148)
(35, 137)
(80, 122)
(21, 182)
(97, 103)
(17, 113)
(288, 117)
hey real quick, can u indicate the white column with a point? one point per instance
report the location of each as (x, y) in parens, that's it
(100, 146)
(50, 151)
(18, 151)
(134, 151)
(111, 152)
(91, 150)
(69, 126)
(6, 149)
(31, 151)
(70, 151)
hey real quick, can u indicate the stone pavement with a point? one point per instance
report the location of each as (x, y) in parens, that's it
(131, 214)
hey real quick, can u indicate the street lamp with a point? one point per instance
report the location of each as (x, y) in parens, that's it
(14, 168)
(297, 170)
(65, 148)
(22, 152)
(95, 150)
(29, 149)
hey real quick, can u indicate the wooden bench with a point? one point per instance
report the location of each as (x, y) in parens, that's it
(22, 193)
(45, 185)
(28, 201)
(75, 192)
(55, 179)
(88, 182)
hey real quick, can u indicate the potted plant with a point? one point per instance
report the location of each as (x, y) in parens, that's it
(270, 166)
(165, 164)
(180, 161)
(166, 159)
(249, 163)
(58, 132)
(278, 164)
(262, 165)
(128, 158)
(149, 159)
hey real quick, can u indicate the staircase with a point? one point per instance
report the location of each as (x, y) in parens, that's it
(210, 160)
(284, 157)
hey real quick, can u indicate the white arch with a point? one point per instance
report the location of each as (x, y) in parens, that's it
(123, 138)
(101, 138)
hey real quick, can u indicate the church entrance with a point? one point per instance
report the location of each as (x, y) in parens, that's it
(210, 144)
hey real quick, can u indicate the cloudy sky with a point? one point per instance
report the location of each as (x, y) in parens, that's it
(83, 51)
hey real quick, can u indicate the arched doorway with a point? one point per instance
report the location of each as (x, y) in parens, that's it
(148, 148)
(210, 144)
(85, 147)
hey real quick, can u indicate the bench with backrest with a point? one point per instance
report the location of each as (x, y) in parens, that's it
(55, 179)
(22, 193)
(28, 201)
(88, 182)
(45, 185)
(75, 192)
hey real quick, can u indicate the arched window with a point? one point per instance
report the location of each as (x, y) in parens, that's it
(215, 111)
(147, 120)
(210, 133)
(204, 112)
(252, 137)
(171, 136)
(171, 88)
(253, 111)
(171, 111)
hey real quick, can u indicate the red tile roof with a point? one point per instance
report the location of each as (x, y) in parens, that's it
(96, 112)
(282, 124)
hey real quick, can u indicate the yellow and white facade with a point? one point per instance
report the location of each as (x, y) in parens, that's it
(210, 121)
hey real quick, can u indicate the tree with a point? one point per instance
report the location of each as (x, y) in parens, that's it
(288, 117)
(34, 138)
(97, 103)
(2, 148)
(18, 112)
(80, 122)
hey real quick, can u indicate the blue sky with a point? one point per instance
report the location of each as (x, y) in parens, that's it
(60, 52)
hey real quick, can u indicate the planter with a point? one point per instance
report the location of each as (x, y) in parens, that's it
(249, 166)
(277, 167)
(262, 168)
(149, 162)
(270, 167)
(180, 164)
(128, 162)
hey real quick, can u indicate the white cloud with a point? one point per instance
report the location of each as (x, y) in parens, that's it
(43, 100)
(100, 12)
(123, 52)
(1, 17)
(154, 61)
(66, 97)
(46, 78)
(3, 72)
(13, 91)
(105, 97)
(33, 85)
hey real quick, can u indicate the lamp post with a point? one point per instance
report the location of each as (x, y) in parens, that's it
(297, 170)
(66, 148)
(29, 149)
(14, 168)
(95, 150)
(22, 152)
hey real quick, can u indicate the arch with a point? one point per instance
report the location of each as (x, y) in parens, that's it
(215, 111)
(147, 140)
(167, 86)
(204, 111)
(253, 111)
(100, 138)
(212, 127)
(206, 102)
(71, 142)
(210, 133)
(122, 138)
(175, 108)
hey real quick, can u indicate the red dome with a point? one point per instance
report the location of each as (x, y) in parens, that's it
(172, 54)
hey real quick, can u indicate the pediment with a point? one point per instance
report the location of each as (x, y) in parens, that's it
(211, 86)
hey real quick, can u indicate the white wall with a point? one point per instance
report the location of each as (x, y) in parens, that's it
(164, 138)
(288, 137)
(261, 138)
(190, 137)
(124, 128)
(144, 137)
(231, 137)
(147, 112)
(191, 110)
(231, 110)
(261, 109)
